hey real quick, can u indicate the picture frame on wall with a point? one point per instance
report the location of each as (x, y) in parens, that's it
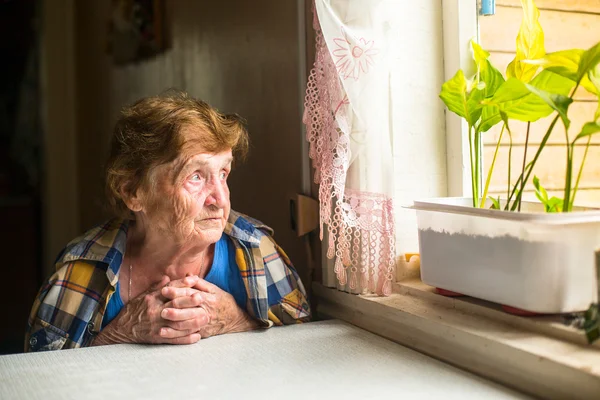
(136, 30)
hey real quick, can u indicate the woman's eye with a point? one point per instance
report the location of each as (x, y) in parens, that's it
(223, 175)
(195, 177)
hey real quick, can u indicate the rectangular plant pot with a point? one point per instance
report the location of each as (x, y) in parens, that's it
(530, 260)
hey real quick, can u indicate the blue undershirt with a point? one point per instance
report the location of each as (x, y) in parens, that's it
(224, 273)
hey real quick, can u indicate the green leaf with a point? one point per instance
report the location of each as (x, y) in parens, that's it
(486, 72)
(454, 94)
(558, 102)
(492, 80)
(530, 44)
(479, 54)
(517, 102)
(490, 116)
(589, 86)
(566, 63)
(594, 78)
(492, 77)
(589, 60)
(461, 102)
(554, 204)
(591, 323)
(495, 203)
(540, 192)
(523, 102)
(589, 129)
(553, 83)
(588, 74)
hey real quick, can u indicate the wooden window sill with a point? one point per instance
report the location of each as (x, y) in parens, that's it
(537, 355)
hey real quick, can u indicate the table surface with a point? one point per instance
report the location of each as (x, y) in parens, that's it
(329, 359)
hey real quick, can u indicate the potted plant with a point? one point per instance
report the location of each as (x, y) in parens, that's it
(539, 257)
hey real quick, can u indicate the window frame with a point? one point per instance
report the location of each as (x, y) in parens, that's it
(460, 25)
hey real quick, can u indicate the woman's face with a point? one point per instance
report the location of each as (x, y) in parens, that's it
(190, 198)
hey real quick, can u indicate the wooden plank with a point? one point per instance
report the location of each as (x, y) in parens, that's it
(562, 30)
(550, 167)
(579, 114)
(501, 61)
(589, 6)
(588, 198)
(585, 197)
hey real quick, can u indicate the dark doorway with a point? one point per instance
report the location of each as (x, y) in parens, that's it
(20, 160)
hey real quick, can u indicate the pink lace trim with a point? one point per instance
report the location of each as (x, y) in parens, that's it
(360, 224)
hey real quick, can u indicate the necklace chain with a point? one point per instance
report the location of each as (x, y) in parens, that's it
(131, 268)
(129, 294)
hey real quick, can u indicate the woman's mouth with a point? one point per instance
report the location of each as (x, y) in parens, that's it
(210, 219)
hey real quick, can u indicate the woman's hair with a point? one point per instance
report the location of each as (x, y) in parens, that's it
(149, 133)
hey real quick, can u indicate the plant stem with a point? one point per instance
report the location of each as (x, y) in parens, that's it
(535, 158)
(587, 147)
(489, 176)
(510, 146)
(567, 203)
(473, 188)
(568, 178)
(524, 161)
(477, 160)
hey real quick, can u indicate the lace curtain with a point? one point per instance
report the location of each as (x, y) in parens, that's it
(348, 121)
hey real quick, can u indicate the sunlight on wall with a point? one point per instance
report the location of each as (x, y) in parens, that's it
(418, 114)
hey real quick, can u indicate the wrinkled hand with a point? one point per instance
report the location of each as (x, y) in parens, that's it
(140, 321)
(203, 308)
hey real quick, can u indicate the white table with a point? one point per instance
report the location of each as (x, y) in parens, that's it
(322, 360)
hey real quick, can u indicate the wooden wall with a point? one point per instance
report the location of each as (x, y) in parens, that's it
(237, 55)
(566, 24)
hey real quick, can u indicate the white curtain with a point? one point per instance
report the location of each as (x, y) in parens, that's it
(348, 119)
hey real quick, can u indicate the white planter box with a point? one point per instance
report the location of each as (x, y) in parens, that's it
(531, 260)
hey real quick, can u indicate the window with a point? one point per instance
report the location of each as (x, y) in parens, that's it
(431, 159)
(566, 25)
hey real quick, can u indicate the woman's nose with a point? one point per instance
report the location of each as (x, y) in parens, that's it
(218, 193)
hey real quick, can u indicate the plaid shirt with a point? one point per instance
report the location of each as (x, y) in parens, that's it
(69, 308)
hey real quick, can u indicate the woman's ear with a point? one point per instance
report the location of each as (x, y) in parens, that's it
(132, 198)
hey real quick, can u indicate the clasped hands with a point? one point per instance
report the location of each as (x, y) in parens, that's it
(177, 312)
(199, 307)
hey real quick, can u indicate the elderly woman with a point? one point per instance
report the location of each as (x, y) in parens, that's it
(176, 264)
